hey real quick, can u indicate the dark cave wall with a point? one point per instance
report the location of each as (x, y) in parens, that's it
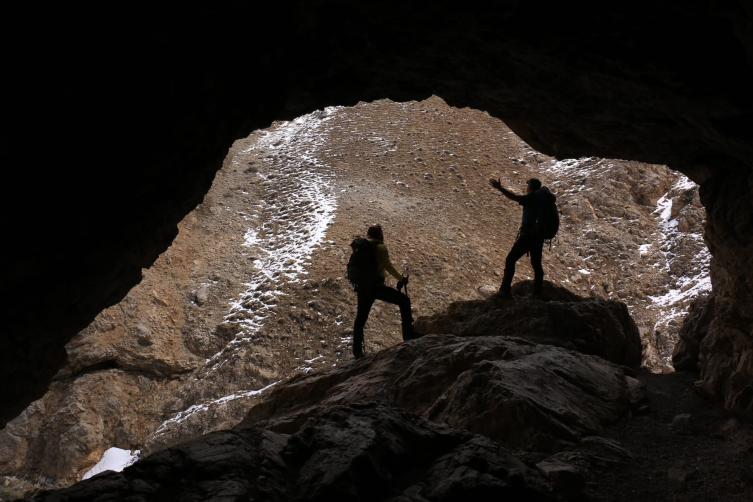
(726, 352)
(113, 131)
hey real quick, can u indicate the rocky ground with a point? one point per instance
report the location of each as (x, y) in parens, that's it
(456, 416)
(683, 448)
(252, 290)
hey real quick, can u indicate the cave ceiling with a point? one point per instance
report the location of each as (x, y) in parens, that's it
(115, 124)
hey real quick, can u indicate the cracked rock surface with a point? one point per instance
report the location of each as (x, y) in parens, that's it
(251, 292)
(356, 452)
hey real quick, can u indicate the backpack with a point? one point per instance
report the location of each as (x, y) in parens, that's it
(362, 265)
(547, 217)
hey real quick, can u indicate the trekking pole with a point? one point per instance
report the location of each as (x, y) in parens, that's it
(406, 275)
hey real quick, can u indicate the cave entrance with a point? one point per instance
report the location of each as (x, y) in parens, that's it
(252, 290)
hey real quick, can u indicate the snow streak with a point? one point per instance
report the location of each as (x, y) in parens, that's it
(673, 303)
(298, 206)
(185, 414)
(687, 286)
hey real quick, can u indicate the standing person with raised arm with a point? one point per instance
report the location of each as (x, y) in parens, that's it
(528, 241)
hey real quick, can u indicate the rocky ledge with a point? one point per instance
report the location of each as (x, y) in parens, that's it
(357, 452)
(438, 418)
(590, 325)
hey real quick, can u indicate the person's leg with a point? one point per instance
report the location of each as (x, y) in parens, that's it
(365, 301)
(518, 250)
(391, 295)
(537, 250)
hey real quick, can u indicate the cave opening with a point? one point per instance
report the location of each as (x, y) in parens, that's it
(135, 139)
(252, 289)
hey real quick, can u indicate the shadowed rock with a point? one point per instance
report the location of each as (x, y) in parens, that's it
(694, 329)
(588, 325)
(511, 390)
(350, 453)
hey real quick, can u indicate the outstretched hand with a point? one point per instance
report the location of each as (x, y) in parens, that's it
(507, 193)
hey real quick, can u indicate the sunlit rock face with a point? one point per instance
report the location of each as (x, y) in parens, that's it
(434, 418)
(251, 291)
(119, 151)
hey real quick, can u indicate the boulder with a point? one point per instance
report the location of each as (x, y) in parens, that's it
(202, 295)
(362, 452)
(694, 329)
(518, 393)
(568, 478)
(589, 325)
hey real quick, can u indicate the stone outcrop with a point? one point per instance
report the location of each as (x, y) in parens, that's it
(726, 357)
(694, 329)
(356, 452)
(434, 418)
(560, 318)
(516, 392)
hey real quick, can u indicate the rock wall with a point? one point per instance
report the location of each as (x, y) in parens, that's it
(251, 291)
(726, 351)
(694, 329)
(119, 136)
(436, 418)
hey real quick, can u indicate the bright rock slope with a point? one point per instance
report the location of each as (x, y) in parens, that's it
(252, 290)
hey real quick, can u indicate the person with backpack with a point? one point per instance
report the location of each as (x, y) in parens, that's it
(540, 222)
(367, 269)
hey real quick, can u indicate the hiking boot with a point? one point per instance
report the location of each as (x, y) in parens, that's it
(502, 295)
(358, 349)
(412, 335)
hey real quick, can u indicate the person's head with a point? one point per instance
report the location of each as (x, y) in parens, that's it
(533, 185)
(375, 232)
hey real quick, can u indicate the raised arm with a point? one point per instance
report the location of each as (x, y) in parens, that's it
(496, 184)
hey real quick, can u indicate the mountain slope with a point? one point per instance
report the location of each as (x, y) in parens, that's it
(252, 291)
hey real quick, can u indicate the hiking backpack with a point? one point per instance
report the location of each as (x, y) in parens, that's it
(362, 265)
(548, 216)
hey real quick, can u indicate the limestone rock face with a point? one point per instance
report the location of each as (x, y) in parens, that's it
(588, 325)
(251, 291)
(356, 452)
(516, 392)
(694, 329)
(726, 356)
(65, 434)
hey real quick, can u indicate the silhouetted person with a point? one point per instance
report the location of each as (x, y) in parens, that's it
(370, 290)
(527, 241)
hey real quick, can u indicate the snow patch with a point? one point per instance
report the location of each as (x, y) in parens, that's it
(114, 459)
